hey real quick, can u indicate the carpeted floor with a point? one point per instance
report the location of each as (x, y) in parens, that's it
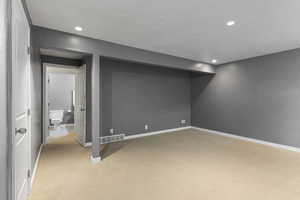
(186, 165)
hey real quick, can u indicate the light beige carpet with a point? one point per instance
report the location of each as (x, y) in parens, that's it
(189, 165)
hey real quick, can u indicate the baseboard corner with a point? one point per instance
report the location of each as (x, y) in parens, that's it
(258, 141)
(35, 166)
(95, 160)
(88, 144)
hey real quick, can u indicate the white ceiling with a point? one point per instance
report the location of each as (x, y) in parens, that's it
(193, 29)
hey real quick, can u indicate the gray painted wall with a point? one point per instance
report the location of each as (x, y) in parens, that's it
(51, 39)
(36, 100)
(136, 94)
(48, 38)
(257, 98)
(4, 61)
(61, 86)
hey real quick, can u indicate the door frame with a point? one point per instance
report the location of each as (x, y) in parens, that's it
(79, 71)
(45, 65)
(11, 102)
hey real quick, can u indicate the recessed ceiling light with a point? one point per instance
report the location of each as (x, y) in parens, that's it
(230, 23)
(214, 61)
(78, 28)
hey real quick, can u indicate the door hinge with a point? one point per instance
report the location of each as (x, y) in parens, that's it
(28, 112)
(28, 173)
(29, 50)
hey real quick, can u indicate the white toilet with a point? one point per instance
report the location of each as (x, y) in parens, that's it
(56, 117)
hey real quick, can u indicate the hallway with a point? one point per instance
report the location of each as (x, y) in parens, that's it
(61, 158)
(187, 164)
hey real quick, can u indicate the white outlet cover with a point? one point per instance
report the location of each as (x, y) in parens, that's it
(111, 131)
(146, 127)
(183, 121)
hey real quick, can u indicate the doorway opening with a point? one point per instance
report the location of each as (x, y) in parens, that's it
(64, 99)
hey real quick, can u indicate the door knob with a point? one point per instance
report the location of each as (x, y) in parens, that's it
(21, 130)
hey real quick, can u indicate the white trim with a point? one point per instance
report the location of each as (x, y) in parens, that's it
(21, 140)
(281, 146)
(129, 137)
(16, 10)
(45, 70)
(80, 131)
(88, 144)
(95, 160)
(35, 166)
(24, 114)
(68, 125)
(45, 104)
(20, 194)
(68, 67)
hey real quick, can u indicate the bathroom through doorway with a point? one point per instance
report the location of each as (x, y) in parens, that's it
(64, 100)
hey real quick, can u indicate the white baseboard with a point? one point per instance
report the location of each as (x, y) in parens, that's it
(129, 137)
(281, 146)
(95, 160)
(35, 166)
(88, 144)
(69, 125)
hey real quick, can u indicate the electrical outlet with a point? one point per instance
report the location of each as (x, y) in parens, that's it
(146, 127)
(183, 121)
(111, 131)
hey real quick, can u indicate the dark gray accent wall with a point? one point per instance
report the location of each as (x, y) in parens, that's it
(4, 63)
(257, 98)
(135, 95)
(36, 99)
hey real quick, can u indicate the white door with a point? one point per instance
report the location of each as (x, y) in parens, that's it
(80, 105)
(21, 99)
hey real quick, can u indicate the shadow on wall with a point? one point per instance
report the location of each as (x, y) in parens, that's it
(199, 84)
